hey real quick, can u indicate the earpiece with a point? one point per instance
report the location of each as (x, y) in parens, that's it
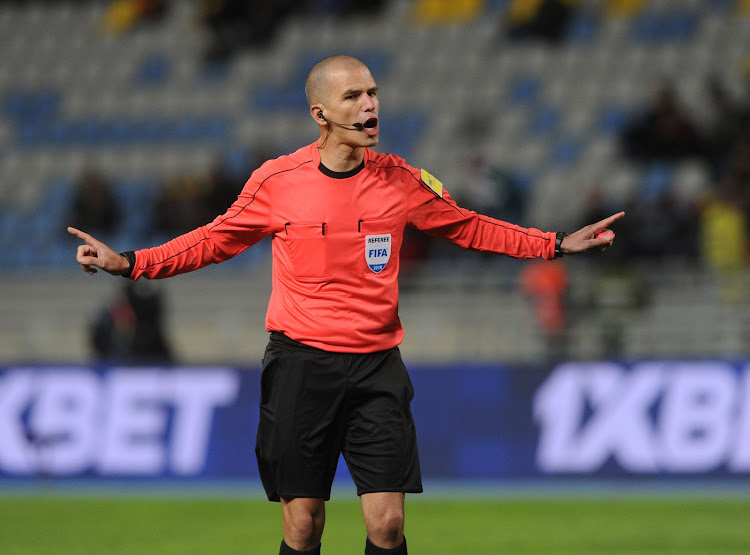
(321, 116)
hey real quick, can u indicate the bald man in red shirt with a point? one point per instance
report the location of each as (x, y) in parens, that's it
(333, 380)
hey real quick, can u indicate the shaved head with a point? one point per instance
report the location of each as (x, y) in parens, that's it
(317, 84)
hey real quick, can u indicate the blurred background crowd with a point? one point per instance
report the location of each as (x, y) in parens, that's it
(137, 120)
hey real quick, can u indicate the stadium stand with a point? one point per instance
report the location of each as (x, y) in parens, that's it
(138, 98)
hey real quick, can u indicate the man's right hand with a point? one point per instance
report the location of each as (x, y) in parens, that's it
(95, 254)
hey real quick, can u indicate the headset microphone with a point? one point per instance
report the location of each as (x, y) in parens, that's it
(357, 126)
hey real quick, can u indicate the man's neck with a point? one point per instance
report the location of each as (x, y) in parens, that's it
(341, 158)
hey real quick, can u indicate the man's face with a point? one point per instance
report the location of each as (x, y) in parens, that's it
(354, 99)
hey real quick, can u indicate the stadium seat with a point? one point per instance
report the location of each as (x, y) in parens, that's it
(153, 70)
(656, 180)
(611, 119)
(567, 152)
(623, 8)
(525, 89)
(546, 120)
(583, 29)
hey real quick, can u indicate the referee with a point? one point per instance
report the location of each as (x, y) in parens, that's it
(333, 380)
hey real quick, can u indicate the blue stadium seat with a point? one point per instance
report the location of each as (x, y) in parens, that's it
(546, 120)
(216, 128)
(214, 72)
(567, 152)
(11, 229)
(30, 134)
(153, 70)
(582, 29)
(611, 119)
(92, 131)
(401, 131)
(238, 162)
(124, 131)
(657, 178)
(62, 133)
(264, 99)
(153, 130)
(524, 89)
(60, 255)
(23, 106)
(57, 197)
(654, 28)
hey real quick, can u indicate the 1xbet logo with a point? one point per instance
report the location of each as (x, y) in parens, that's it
(674, 417)
(125, 422)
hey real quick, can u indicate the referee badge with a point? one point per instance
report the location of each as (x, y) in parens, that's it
(377, 251)
(433, 183)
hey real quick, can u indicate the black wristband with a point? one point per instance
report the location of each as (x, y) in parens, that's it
(130, 255)
(559, 236)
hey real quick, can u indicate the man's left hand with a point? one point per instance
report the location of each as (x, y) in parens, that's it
(594, 236)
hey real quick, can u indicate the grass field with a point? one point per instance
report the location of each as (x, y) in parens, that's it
(145, 525)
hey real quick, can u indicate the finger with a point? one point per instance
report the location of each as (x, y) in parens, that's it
(88, 261)
(88, 269)
(607, 221)
(87, 256)
(85, 250)
(83, 236)
(602, 241)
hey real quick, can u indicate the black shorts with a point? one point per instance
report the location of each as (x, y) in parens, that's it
(317, 404)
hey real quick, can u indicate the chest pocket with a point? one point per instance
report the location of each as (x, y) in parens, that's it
(308, 251)
(381, 242)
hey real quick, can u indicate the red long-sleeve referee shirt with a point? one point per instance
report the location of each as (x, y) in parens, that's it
(336, 241)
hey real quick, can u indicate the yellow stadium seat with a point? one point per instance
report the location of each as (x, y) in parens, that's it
(120, 16)
(523, 11)
(447, 11)
(617, 9)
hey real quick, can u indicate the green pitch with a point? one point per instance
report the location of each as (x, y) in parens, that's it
(78, 525)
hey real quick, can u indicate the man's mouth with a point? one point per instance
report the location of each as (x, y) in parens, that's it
(371, 126)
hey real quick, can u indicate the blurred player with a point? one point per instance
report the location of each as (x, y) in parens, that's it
(333, 380)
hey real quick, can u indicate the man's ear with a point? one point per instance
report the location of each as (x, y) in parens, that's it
(316, 111)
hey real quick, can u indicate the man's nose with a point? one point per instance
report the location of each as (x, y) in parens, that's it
(369, 104)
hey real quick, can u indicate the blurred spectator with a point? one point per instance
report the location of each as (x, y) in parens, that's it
(229, 173)
(662, 227)
(346, 8)
(545, 283)
(415, 249)
(187, 202)
(95, 207)
(184, 205)
(663, 132)
(122, 15)
(539, 19)
(130, 329)
(724, 233)
(492, 191)
(238, 24)
(731, 124)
